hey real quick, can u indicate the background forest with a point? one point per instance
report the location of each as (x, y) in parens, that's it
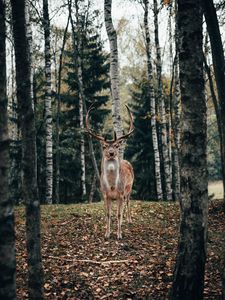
(67, 65)
(65, 128)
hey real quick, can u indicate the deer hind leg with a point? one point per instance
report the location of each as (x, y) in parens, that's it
(120, 207)
(128, 208)
(108, 206)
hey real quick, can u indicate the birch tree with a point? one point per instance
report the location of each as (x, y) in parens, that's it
(152, 103)
(114, 69)
(81, 100)
(77, 45)
(176, 113)
(57, 164)
(48, 103)
(29, 155)
(7, 235)
(189, 270)
(161, 102)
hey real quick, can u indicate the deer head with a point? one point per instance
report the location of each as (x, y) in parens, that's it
(110, 147)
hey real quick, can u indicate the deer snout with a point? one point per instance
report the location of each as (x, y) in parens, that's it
(111, 152)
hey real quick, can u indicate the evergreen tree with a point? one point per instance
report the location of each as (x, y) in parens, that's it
(95, 68)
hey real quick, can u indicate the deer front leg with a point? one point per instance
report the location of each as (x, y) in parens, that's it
(120, 207)
(128, 209)
(108, 207)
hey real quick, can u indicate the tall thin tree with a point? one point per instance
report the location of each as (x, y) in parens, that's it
(189, 270)
(48, 103)
(152, 103)
(7, 235)
(161, 103)
(81, 98)
(77, 48)
(29, 155)
(57, 164)
(175, 111)
(218, 66)
(114, 69)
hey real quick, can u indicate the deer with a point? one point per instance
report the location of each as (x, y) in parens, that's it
(117, 175)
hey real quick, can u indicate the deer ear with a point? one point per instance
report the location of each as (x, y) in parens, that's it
(115, 137)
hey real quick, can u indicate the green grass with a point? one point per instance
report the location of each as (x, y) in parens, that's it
(216, 189)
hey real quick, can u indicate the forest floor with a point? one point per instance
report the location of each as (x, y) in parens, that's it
(80, 264)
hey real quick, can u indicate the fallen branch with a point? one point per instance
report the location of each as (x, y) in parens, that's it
(87, 260)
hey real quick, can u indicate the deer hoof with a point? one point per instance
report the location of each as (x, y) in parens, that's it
(119, 236)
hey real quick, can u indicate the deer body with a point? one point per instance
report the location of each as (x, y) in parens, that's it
(116, 183)
(117, 177)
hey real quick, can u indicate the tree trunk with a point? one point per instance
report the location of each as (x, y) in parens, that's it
(48, 104)
(57, 164)
(152, 104)
(219, 67)
(7, 235)
(189, 270)
(176, 120)
(219, 70)
(29, 155)
(15, 144)
(114, 69)
(161, 102)
(81, 100)
(176, 133)
(215, 102)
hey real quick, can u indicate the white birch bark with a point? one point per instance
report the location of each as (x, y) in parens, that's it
(114, 69)
(160, 99)
(57, 166)
(152, 104)
(177, 117)
(48, 104)
(81, 101)
(177, 129)
(30, 42)
(169, 108)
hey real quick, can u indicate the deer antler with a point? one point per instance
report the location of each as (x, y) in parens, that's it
(89, 130)
(101, 138)
(131, 129)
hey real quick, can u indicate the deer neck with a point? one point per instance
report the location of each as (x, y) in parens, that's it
(111, 170)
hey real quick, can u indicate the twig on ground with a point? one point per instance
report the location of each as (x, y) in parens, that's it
(87, 260)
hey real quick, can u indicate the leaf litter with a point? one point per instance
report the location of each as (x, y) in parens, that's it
(80, 264)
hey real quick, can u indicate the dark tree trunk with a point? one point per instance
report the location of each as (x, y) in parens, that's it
(29, 158)
(190, 262)
(219, 70)
(7, 236)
